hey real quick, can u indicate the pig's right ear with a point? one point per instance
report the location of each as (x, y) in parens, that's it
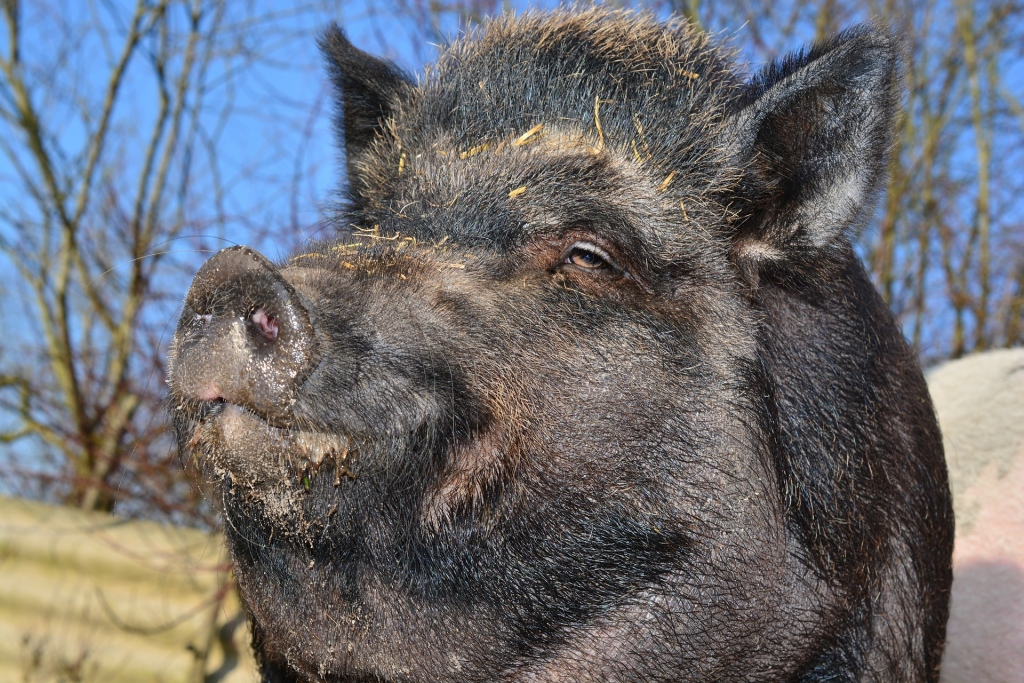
(370, 90)
(811, 138)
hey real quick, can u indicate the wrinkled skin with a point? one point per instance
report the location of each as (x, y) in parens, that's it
(591, 386)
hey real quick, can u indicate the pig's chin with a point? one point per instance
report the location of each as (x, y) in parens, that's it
(274, 465)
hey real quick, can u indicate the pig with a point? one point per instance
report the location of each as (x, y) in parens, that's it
(980, 404)
(589, 383)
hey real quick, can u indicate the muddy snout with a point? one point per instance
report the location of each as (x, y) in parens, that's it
(243, 338)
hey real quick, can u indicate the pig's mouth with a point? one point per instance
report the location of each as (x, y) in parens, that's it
(229, 440)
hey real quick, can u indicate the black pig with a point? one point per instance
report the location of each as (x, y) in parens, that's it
(592, 387)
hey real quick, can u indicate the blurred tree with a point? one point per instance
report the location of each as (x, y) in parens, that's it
(946, 247)
(111, 118)
(949, 244)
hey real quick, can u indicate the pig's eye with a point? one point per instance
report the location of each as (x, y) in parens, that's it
(587, 257)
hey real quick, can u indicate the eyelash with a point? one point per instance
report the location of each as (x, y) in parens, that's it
(600, 260)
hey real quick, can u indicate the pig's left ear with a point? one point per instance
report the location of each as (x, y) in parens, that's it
(812, 138)
(370, 91)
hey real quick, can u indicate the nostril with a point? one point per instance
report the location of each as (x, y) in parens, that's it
(210, 392)
(265, 323)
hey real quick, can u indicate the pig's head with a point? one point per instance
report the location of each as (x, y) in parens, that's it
(590, 387)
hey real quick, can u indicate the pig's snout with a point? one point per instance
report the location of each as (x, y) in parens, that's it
(243, 338)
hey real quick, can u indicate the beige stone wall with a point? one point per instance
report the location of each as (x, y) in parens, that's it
(980, 404)
(86, 597)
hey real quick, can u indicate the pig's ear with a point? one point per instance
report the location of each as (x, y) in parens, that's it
(369, 90)
(812, 137)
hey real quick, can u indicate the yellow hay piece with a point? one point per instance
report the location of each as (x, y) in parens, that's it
(666, 182)
(305, 256)
(473, 151)
(643, 139)
(528, 135)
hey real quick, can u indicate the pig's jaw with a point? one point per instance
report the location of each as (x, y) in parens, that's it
(275, 466)
(385, 634)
